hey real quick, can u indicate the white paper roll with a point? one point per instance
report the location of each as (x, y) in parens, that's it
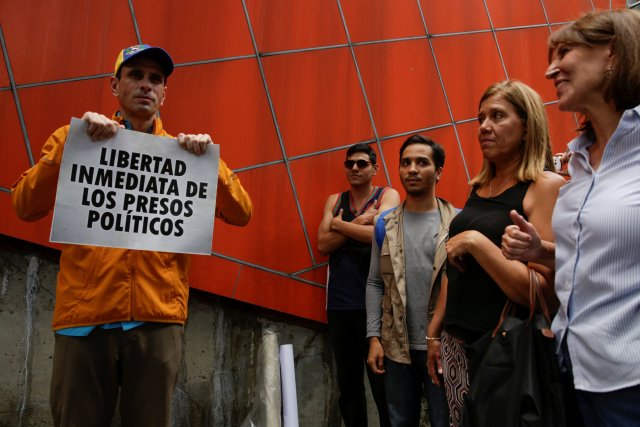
(288, 376)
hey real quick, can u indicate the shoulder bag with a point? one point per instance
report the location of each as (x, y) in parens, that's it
(517, 382)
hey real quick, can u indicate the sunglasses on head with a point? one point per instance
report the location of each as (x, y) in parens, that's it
(361, 163)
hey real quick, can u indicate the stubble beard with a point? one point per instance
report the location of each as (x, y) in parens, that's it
(417, 192)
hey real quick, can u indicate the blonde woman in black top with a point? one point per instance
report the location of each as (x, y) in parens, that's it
(516, 174)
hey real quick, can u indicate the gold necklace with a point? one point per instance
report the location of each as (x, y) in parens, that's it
(499, 187)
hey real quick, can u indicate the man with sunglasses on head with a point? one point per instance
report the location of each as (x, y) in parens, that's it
(119, 313)
(345, 235)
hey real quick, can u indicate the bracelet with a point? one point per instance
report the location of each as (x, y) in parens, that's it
(432, 338)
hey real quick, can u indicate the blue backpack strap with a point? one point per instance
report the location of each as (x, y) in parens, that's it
(379, 231)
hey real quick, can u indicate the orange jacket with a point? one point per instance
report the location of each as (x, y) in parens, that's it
(99, 285)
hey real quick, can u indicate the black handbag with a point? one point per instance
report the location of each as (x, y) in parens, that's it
(517, 382)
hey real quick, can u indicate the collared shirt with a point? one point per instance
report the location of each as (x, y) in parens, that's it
(597, 228)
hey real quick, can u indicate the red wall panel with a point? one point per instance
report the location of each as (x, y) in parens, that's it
(4, 77)
(525, 56)
(313, 88)
(515, 13)
(14, 159)
(454, 16)
(280, 25)
(369, 20)
(226, 100)
(195, 30)
(565, 10)
(61, 39)
(401, 93)
(468, 63)
(277, 84)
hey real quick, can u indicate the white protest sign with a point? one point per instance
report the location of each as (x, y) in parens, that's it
(135, 191)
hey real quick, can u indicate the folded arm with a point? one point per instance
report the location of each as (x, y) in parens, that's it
(513, 276)
(333, 232)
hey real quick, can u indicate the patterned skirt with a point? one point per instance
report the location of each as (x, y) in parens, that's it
(456, 376)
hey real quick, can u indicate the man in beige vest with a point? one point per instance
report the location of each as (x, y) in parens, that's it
(405, 277)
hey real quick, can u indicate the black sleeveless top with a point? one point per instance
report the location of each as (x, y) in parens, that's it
(349, 264)
(474, 300)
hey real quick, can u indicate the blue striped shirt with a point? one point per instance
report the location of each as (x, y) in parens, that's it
(597, 227)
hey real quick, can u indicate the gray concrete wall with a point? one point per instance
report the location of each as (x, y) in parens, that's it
(218, 377)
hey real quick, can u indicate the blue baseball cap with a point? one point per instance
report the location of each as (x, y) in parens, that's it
(156, 53)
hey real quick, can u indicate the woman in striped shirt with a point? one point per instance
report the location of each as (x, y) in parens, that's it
(595, 67)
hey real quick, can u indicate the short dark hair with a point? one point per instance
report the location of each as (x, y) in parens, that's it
(438, 151)
(363, 148)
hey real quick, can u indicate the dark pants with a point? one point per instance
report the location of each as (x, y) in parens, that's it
(88, 372)
(405, 385)
(347, 336)
(611, 409)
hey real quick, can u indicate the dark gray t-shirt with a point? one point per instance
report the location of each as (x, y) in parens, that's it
(420, 230)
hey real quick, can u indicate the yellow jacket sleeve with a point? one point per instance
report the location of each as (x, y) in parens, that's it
(233, 204)
(34, 193)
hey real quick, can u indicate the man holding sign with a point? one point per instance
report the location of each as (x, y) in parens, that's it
(119, 313)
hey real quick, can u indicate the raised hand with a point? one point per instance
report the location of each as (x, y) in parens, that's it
(521, 240)
(196, 144)
(100, 127)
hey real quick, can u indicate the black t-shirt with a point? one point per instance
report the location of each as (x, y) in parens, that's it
(474, 300)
